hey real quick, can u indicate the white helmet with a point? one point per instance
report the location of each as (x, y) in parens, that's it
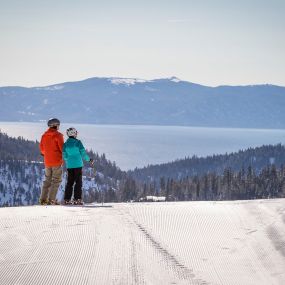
(71, 132)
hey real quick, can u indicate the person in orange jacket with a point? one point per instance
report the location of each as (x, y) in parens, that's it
(51, 148)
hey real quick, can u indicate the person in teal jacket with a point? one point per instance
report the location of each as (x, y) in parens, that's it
(73, 155)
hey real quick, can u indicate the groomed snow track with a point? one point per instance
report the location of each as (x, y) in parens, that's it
(240, 242)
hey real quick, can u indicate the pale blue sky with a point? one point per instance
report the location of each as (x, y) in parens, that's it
(211, 42)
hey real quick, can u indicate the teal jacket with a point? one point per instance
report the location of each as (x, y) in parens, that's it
(73, 152)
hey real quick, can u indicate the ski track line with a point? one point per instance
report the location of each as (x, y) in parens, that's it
(214, 221)
(136, 270)
(182, 271)
(277, 239)
(136, 244)
(274, 228)
(271, 220)
(146, 253)
(187, 244)
(149, 272)
(170, 261)
(162, 262)
(186, 229)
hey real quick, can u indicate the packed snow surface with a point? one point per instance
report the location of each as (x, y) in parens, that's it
(240, 242)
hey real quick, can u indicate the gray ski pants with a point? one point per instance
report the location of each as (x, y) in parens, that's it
(53, 178)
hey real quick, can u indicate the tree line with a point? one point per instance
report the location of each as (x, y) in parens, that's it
(257, 158)
(244, 184)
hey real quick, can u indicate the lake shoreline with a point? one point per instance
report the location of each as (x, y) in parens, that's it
(131, 146)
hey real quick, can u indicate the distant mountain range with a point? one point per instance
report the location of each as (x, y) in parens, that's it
(168, 101)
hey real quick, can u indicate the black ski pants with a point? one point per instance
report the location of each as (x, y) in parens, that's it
(74, 178)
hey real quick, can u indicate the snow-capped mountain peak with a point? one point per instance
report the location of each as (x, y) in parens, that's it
(126, 81)
(174, 79)
(51, 88)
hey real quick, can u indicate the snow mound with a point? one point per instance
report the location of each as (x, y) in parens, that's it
(145, 243)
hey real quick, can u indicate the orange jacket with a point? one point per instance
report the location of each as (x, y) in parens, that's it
(51, 147)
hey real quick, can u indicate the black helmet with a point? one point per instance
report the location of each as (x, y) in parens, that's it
(53, 122)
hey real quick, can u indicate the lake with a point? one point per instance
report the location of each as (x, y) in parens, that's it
(133, 146)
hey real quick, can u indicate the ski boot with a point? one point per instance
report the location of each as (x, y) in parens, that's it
(67, 202)
(77, 202)
(53, 202)
(43, 202)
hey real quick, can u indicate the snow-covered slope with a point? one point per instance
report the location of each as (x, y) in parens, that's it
(21, 182)
(241, 242)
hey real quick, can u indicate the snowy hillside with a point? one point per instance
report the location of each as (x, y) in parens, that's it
(149, 243)
(167, 101)
(21, 182)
